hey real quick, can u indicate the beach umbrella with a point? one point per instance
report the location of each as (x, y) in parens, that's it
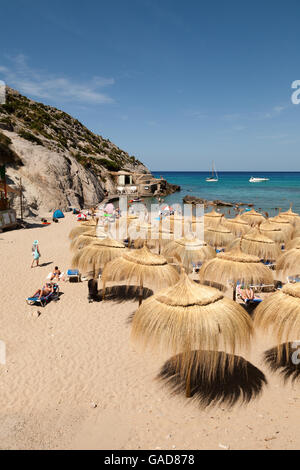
(141, 267)
(276, 232)
(291, 215)
(289, 262)
(294, 218)
(218, 236)
(253, 218)
(88, 237)
(293, 243)
(284, 223)
(190, 317)
(213, 218)
(235, 266)
(152, 236)
(88, 226)
(189, 250)
(94, 256)
(257, 244)
(237, 226)
(279, 314)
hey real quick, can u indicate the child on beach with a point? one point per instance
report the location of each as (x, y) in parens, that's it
(35, 253)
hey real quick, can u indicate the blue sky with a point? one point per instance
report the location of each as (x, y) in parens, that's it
(175, 83)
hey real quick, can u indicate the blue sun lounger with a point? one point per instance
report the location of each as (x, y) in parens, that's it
(74, 275)
(44, 300)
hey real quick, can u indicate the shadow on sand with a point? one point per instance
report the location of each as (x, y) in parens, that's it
(235, 379)
(124, 293)
(284, 359)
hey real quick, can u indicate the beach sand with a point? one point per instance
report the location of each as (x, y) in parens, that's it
(73, 379)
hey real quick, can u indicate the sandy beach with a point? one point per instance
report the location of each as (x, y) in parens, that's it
(73, 379)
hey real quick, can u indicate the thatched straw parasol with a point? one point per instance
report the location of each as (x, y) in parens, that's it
(88, 237)
(294, 219)
(82, 228)
(257, 244)
(190, 317)
(237, 226)
(213, 218)
(95, 255)
(276, 232)
(289, 262)
(284, 222)
(140, 266)
(189, 251)
(293, 243)
(151, 236)
(253, 218)
(235, 266)
(291, 214)
(280, 314)
(219, 236)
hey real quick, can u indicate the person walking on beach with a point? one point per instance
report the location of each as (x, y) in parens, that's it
(35, 253)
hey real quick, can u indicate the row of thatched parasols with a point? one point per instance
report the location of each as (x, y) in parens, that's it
(189, 317)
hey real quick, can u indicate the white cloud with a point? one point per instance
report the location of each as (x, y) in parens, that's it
(39, 84)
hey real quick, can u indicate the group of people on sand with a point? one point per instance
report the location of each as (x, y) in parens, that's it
(55, 275)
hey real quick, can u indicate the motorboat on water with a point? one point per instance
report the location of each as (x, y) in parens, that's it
(257, 180)
(214, 175)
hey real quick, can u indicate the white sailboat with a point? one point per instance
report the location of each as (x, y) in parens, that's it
(214, 175)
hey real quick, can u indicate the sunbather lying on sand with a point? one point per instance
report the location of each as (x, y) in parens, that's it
(56, 274)
(246, 293)
(46, 290)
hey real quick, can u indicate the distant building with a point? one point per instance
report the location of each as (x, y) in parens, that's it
(138, 184)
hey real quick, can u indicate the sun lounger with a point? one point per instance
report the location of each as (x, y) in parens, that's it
(269, 264)
(196, 267)
(73, 275)
(255, 300)
(44, 300)
(262, 287)
(293, 279)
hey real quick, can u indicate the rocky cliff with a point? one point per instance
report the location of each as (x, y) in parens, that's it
(61, 162)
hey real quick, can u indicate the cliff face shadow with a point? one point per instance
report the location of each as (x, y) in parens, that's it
(124, 293)
(233, 381)
(284, 359)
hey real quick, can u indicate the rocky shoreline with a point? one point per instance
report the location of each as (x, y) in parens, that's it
(216, 203)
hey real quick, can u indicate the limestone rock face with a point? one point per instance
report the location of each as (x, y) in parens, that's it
(51, 180)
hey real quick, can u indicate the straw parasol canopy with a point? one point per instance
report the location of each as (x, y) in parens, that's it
(289, 262)
(276, 232)
(189, 251)
(213, 218)
(141, 267)
(293, 243)
(237, 226)
(290, 214)
(233, 266)
(188, 317)
(82, 228)
(219, 236)
(87, 238)
(253, 218)
(280, 314)
(284, 222)
(257, 244)
(95, 255)
(294, 218)
(154, 237)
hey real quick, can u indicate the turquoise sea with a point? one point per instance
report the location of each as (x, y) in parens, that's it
(281, 190)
